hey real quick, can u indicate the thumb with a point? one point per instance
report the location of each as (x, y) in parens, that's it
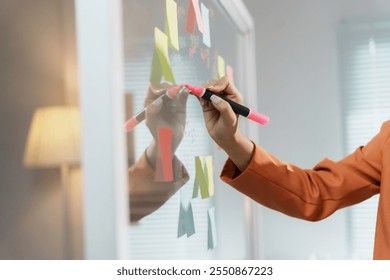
(227, 114)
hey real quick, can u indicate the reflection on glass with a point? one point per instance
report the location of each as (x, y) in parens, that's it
(158, 173)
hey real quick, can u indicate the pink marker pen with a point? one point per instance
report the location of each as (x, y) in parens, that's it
(237, 108)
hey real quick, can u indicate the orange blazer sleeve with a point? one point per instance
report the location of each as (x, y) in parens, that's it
(310, 194)
(145, 194)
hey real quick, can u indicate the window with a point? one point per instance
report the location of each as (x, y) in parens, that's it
(155, 236)
(365, 73)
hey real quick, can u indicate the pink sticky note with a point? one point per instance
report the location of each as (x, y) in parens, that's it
(229, 73)
(164, 170)
(193, 14)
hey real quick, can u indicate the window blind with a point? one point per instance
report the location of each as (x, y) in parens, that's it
(365, 80)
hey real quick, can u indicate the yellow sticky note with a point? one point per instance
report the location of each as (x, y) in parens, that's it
(209, 174)
(221, 67)
(171, 28)
(161, 47)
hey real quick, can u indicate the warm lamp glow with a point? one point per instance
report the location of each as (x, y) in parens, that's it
(54, 137)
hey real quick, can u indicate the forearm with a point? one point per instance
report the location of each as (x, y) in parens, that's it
(239, 150)
(310, 194)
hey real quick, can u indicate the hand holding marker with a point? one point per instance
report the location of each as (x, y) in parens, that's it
(202, 93)
(237, 108)
(141, 116)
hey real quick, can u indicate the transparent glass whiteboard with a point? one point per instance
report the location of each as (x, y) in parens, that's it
(198, 60)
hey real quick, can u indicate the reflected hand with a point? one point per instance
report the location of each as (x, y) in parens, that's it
(170, 113)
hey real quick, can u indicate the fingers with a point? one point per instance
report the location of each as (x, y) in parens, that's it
(153, 93)
(224, 86)
(155, 107)
(226, 111)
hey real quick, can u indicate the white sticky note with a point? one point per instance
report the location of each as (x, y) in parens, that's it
(206, 24)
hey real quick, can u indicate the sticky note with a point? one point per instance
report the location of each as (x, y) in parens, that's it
(209, 174)
(212, 229)
(230, 73)
(156, 71)
(171, 28)
(194, 14)
(221, 67)
(203, 177)
(195, 191)
(186, 220)
(206, 25)
(164, 170)
(161, 65)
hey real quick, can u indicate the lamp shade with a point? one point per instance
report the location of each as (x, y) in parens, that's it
(54, 137)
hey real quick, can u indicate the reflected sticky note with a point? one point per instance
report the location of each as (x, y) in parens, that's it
(204, 181)
(156, 71)
(186, 220)
(194, 15)
(230, 73)
(161, 65)
(171, 28)
(206, 24)
(164, 170)
(212, 229)
(221, 67)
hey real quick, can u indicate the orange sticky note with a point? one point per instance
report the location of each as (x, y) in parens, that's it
(194, 14)
(164, 170)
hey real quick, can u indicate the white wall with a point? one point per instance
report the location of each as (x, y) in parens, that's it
(31, 75)
(297, 60)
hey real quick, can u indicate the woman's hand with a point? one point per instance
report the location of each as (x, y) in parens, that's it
(222, 122)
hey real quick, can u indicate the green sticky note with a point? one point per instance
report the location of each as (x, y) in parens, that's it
(171, 28)
(201, 177)
(161, 48)
(212, 229)
(195, 191)
(156, 73)
(221, 67)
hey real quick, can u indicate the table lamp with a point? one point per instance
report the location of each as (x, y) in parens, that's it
(54, 141)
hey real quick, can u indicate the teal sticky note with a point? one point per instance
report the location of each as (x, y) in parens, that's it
(186, 223)
(212, 229)
(181, 228)
(190, 225)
